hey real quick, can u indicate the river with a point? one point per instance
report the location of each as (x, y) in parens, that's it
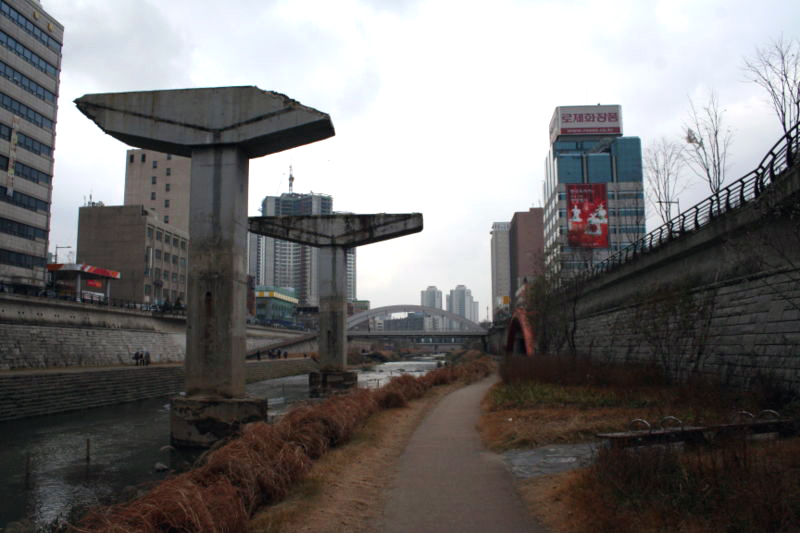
(43, 460)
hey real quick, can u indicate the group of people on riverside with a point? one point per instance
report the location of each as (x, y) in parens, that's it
(141, 358)
(273, 354)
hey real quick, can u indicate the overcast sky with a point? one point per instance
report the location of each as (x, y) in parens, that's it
(440, 106)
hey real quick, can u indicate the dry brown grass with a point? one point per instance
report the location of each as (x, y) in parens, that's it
(261, 466)
(741, 488)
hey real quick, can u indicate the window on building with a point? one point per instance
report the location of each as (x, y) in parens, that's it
(155, 164)
(159, 236)
(166, 187)
(148, 289)
(183, 261)
(169, 171)
(166, 202)
(174, 259)
(158, 254)
(149, 232)
(153, 180)
(175, 242)
(166, 219)
(144, 158)
(183, 279)
(153, 195)
(130, 159)
(166, 257)
(166, 275)
(167, 239)
(183, 245)
(175, 276)
(157, 273)
(169, 156)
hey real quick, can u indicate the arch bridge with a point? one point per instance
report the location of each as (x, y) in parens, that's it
(470, 329)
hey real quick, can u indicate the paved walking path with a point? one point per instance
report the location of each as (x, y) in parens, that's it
(446, 481)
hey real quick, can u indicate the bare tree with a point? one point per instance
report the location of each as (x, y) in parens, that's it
(664, 163)
(709, 140)
(776, 68)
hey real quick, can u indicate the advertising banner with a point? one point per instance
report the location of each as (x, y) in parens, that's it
(587, 215)
(586, 120)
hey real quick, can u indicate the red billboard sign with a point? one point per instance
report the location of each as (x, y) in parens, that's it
(587, 215)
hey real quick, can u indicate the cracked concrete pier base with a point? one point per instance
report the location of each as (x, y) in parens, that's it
(200, 422)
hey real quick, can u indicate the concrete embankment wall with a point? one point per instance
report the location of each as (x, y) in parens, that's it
(30, 393)
(49, 333)
(723, 301)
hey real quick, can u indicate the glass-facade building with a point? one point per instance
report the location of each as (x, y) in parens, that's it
(582, 153)
(30, 67)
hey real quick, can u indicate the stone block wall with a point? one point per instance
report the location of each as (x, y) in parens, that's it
(723, 300)
(25, 394)
(746, 329)
(31, 393)
(48, 346)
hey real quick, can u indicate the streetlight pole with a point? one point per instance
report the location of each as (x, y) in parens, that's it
(60, 248)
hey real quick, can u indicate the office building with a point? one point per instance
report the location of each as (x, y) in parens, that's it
(151, 256)
(431, 297)
(30, 67)
(593, 190)
(501, 268)
(526, 251)
(160, 183)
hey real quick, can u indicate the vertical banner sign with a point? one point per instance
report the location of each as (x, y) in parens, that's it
(587, 213)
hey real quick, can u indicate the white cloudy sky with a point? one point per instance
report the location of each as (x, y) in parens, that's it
(440, 106)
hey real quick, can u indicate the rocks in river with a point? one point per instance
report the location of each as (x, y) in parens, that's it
(161, 467)
(166, 448)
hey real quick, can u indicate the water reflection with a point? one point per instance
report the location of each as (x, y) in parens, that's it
(43, 459)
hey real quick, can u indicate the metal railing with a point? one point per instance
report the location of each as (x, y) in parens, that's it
(780, 158)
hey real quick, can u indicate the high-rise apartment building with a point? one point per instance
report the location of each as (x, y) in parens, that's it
(501, 267)
(30, 67)
(460, 302)
(289, 264)
(593, 190)
(431, 297)
(160, 183)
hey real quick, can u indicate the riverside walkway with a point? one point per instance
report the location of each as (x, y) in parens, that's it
(446, 481)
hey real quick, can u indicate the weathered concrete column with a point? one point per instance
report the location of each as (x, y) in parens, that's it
(333, 235)
(215, 322)
(332, 269)
(220, 129)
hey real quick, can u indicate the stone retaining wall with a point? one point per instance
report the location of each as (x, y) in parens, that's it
(723, 301)
(30, 393)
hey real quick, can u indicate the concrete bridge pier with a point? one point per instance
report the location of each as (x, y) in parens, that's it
(333, 235)
(220, 129)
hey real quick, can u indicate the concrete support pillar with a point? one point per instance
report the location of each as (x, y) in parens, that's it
(215, 313)
(332, 269)
(220, 129)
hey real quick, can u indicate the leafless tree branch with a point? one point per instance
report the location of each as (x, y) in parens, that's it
(709, 140)
(776, 68)
(664, 163)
